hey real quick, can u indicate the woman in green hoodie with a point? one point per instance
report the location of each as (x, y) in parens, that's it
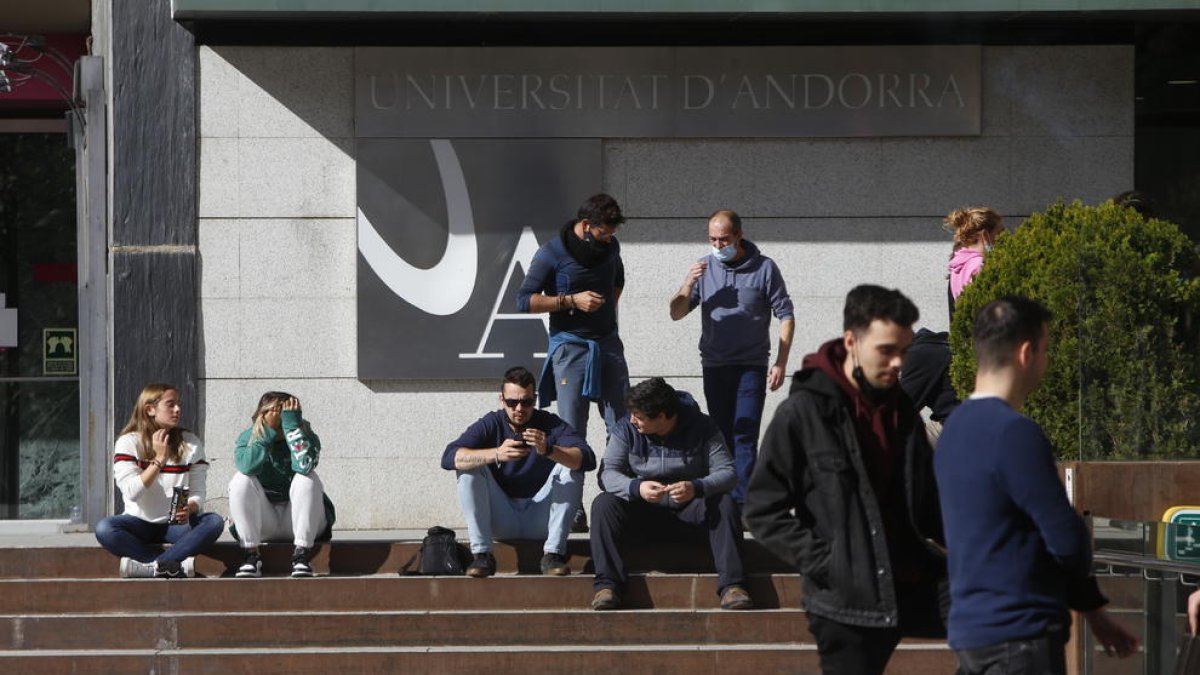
(276, 492)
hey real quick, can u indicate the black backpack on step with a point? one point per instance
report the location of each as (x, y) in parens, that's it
(440, 554)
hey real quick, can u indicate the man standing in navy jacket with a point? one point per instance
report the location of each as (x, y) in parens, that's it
(577, 278)
(1018, 553)
(520, 476)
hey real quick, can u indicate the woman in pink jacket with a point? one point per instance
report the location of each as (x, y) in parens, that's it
(975, 231)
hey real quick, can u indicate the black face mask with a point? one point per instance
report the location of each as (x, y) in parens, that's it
(869, 391)
(593, 243)
(586, 249)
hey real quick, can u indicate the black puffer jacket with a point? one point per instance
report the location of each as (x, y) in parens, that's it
(811, 462)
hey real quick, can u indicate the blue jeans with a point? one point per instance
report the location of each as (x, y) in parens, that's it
(547, 515)
(736, 395)
(568, 365)
(130, 536)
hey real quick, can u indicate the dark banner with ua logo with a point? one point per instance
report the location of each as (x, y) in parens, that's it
(446, 230)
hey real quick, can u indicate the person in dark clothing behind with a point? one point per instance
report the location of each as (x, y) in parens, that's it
(1019, 554)
(844, 491)
(926, 379)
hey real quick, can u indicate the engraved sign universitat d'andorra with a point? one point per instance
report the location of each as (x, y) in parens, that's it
(614, 92)
(469, 158)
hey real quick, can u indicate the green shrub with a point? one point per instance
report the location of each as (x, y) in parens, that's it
(1122, 381)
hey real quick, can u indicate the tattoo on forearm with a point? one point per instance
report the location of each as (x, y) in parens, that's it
(471, 461)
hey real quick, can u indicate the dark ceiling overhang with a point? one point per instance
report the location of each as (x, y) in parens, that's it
(661, 22)
(720, 10)
(46, 17)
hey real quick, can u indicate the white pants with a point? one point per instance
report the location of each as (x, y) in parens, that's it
(258, 520)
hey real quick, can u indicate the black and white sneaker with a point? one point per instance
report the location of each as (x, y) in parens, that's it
(300, 558)
(169, 569)
(251, 568)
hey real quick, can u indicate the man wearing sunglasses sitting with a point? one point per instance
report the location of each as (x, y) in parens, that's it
(520, 476)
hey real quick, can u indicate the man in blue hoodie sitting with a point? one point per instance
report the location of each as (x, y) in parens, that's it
(666, 472)
(737, 289)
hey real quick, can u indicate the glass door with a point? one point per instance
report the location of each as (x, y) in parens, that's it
(39, 316)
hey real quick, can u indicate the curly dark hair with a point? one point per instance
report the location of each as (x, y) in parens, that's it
(601, 209)
(653, 397)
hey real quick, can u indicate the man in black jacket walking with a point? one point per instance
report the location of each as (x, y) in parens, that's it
(844, 491)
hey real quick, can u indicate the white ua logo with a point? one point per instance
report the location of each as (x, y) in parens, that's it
(446, 287)
(527, 247)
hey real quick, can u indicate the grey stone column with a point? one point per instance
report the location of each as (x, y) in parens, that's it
(154, 196)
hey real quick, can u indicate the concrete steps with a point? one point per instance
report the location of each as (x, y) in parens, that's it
(798, 659)
(400, 629)
(62, 611)
(371, 594)
(355, 558)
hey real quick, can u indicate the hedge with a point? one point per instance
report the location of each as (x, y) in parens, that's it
(1123, 375)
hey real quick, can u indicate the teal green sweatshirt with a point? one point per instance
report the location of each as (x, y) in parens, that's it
(273, 461)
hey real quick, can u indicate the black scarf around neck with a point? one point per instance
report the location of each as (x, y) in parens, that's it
(588, 254)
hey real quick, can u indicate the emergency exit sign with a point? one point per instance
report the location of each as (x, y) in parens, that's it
(1180, 534)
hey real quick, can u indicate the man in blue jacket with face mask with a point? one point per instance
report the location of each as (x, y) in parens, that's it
(666, 473)
(737, 289)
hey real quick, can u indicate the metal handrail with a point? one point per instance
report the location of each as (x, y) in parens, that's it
(1144, 551)
(1109, 561)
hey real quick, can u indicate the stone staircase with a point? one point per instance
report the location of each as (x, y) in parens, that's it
(62, 610)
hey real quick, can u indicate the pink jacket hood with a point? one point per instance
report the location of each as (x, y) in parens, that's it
(964, 265)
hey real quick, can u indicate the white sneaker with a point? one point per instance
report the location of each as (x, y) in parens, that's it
(132, 569)
(189, 567)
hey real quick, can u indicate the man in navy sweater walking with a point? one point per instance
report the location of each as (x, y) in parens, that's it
(1019, 555)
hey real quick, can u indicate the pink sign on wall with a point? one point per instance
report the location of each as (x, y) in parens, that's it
(32, 61)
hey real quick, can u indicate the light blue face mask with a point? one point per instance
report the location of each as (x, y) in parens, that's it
(991, 241)
(725, 254)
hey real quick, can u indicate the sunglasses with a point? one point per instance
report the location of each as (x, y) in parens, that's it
(514, 402)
